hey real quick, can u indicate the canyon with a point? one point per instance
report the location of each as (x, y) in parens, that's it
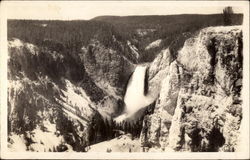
(83, 98)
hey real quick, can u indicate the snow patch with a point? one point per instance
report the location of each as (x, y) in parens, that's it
(42, 141)
(144, 32)
(48, 139)
(14, 87)
(17, 143)
(44, 25)
(154, 44)
(15, 43)
(76, 97)
(123, 143)
(133, 49)
(32, 48)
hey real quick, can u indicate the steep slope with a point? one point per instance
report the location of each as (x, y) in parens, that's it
(199, 104)
(43, 115)
(108, 68)
(54, 94)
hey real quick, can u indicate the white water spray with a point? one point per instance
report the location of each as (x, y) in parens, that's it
(134, 98)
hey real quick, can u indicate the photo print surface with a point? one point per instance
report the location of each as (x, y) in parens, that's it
(125, 80)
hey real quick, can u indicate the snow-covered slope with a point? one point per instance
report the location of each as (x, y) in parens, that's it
(44, 113)
(133, 49)
(123, 143)
(41, 122)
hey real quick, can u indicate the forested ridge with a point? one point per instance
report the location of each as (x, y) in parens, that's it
(71, 36)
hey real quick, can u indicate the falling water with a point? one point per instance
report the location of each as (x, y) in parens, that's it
(134, 98)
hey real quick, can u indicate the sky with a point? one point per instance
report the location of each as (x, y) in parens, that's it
(70, 10)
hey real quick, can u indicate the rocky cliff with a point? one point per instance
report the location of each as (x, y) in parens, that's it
(198, 105)
(110, 71)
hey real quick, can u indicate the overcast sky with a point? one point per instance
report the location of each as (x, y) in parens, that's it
(66, 10)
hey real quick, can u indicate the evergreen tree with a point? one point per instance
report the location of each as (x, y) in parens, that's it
(227, 16)
(108, 129)
(54, 149)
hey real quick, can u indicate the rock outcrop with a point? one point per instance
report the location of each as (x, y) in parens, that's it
(199, 100)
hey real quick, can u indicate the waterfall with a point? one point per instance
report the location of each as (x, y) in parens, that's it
(135, 99)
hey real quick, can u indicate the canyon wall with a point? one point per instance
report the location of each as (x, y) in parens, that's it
(199, 101)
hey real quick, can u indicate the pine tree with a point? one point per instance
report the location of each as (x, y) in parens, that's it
(113, 126)
(108, 129)
(227, 16)
(54, 149)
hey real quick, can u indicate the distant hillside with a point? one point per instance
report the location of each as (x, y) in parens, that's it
(173, 30)
(157, 21)
(134, 33)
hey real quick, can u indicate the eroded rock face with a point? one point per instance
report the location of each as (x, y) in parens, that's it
(157, 71)
(199, 104)
(108, 69)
